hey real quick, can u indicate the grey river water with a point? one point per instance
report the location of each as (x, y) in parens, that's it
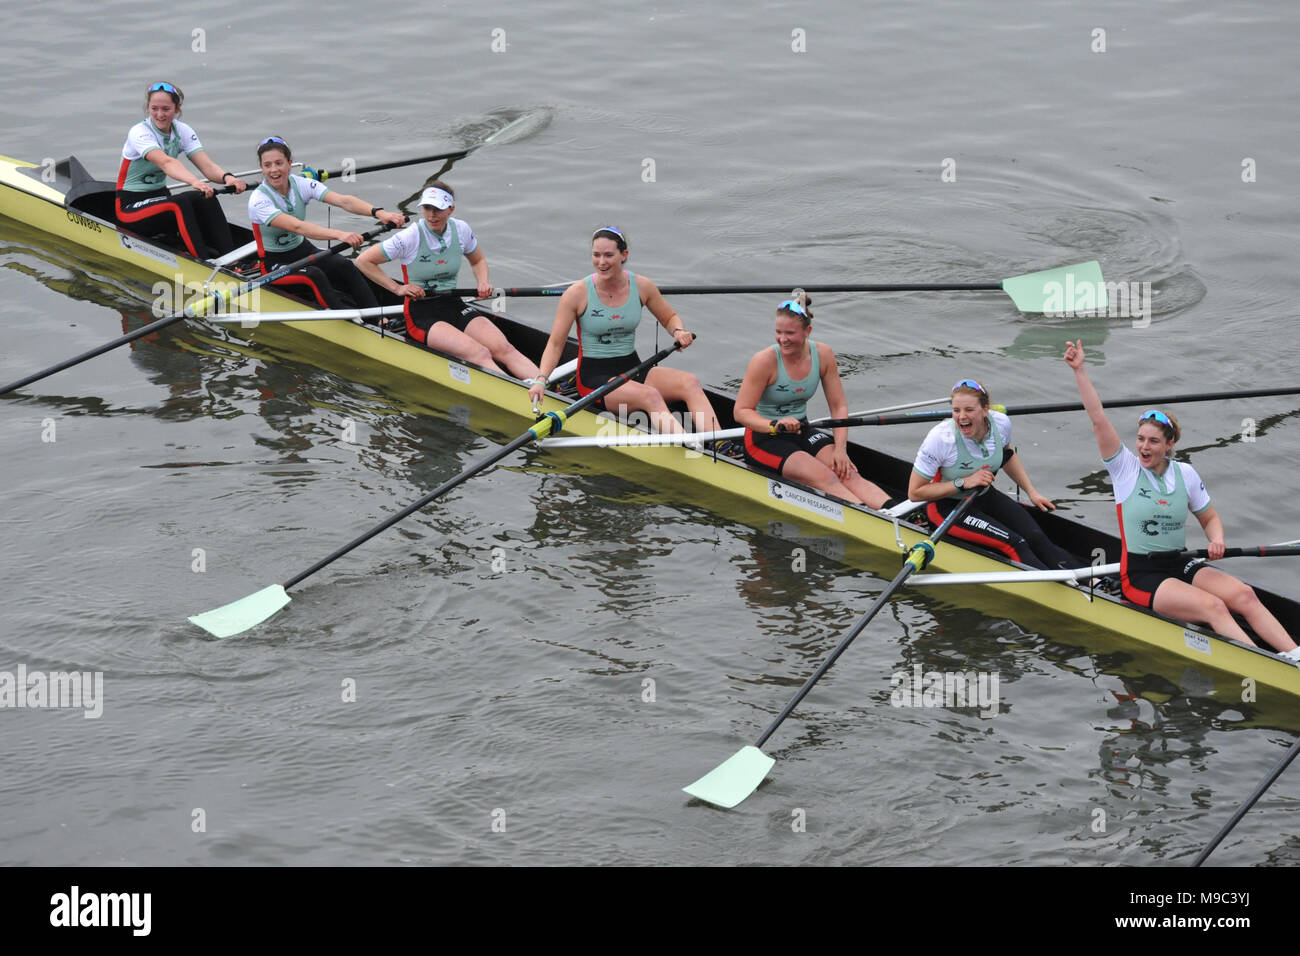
(419, 703)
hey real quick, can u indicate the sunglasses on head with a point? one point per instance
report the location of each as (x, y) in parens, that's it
(164, 87)
(968, 383)
(272, 139)
(790, 305)
(1161, 417)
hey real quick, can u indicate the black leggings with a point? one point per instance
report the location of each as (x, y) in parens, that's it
(326, 278)
(1000, 524)
(198, 222)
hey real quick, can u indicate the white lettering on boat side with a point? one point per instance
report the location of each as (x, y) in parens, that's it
(145, 249)
(802, 499)
(1197, 642)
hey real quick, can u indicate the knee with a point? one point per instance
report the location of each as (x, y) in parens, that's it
(1243, 598)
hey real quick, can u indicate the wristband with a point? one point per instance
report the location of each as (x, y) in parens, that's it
(223, 176)
(375, 210)
(771, 427)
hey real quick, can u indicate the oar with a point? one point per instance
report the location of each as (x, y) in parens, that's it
(1241, 810)
(1186, 398)
(1262, 551)
(308, 315)
(239, 616)
(193, 310)
(1029, 293)
(504, 135)
(737, 777)
(638, 438)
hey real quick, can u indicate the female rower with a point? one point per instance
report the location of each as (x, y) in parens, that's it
(1153, 494)
(149, 156)
(276, 209)
(773, 400)
(607, 308)
(965, 453)
(430, 251)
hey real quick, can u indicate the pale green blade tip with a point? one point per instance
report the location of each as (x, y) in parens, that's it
(239, 616)
(734, 779)
(1032, 292)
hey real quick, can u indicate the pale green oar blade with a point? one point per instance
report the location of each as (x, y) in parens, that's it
(1055, 287)
(238, 616)
(734, 779)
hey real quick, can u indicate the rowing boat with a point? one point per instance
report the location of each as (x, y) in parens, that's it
(65, 201)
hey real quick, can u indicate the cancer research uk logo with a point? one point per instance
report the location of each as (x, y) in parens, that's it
(50, 690)
(923, 688)
(1124, 300)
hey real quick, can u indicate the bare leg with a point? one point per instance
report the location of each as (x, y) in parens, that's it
(445, 338)
(803, 467)
(483, 330)
(867, 492)
(1241, 599)
(1182, 601)
(678, 386)
(633, 396)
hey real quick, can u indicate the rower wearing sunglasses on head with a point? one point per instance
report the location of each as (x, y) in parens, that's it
(150, 155)
(772, 405)
(1153, 494)
(277, 209)
(964, 454)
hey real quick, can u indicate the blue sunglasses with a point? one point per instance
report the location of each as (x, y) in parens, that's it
(968, 383)
(790, 305)
(1161, 417)
(164, 87)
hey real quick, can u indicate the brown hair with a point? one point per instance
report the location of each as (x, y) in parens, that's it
(1172, 431)
(611, 232)
(804, 313)
(274, 142)
(981, 392)
(177, 98)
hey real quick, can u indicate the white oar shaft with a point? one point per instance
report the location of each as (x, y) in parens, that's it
(308, 315)
(899, 408)
(1016, 577)
(639, 438)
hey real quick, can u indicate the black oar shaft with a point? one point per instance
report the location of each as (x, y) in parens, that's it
(527, 292)
(1241, 810)
(532, 434)
(909, 568)
(940, 414)
(1263, 551)
(189, 312)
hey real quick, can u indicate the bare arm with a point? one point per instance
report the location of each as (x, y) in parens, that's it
(570, 306)
(1213, 527)
(479, 264)
(1016, 469)
(758, 376)
(360, 207)
(662, 311)
(1108, 442)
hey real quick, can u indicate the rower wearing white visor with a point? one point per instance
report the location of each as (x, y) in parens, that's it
(430, 251)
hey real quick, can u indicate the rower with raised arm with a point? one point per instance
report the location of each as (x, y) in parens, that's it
(607, 307)
(1153, 494)
(278, 209)
(191, 219)
(966, 452)
(773, 403)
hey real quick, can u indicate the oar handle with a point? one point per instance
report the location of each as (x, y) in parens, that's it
(1262, 551)
(917, 558)
(190, 311)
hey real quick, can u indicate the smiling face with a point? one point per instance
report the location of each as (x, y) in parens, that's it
(275, 169)
(1152, 446)
(437, 218)
(791, 334)
(162, 110)
(969, 413)
(606, 258)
